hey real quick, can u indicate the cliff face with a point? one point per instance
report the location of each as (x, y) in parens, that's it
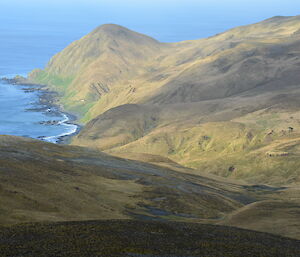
(213, 103)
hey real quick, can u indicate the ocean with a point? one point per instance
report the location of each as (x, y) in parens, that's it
(22, 114)
(22, 49)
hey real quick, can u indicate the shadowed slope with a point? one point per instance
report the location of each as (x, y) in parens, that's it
(278, 217)
(46, 182)
(136, 238)
(42, 181)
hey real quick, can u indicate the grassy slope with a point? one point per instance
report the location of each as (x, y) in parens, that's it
(112, 66)
(216, 101)
(47, 182)
(41, 181)
(205, 142)
(221, 105)
(91, 67)
(278, 217)
(136, 238)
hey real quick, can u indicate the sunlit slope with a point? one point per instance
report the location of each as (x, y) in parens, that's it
(215, 137)
(112, 66)
(225, 104)
(91, 67)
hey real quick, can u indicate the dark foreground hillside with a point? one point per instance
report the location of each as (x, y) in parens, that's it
(138, 238)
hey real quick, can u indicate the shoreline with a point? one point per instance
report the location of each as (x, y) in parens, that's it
(48, 99)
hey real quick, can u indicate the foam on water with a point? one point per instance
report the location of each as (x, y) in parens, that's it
(23, 115)
(72, 130)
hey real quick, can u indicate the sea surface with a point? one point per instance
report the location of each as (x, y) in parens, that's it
(25, 46)
(22, 114)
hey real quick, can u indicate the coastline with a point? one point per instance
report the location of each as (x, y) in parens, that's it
(48, 99)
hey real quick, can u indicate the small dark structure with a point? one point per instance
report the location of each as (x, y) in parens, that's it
(205, 137)
(291, 129)
(231, 168)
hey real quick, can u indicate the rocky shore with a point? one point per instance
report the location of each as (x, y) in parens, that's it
(47, 104)
(17, 80)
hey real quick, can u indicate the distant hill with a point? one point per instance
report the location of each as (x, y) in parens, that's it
(87, 70)
(228, 104)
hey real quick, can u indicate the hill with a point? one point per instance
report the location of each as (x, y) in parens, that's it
(226, 105)
(87, 70)
(47, 182)
(137, 238)
(229, 99)
(44, 182)
(137, 69)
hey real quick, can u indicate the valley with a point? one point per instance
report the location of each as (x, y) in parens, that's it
(195, 139)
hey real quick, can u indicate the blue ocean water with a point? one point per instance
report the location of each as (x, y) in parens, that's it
(23, 115)
(32, 31)
(24, 47)
(26, 44)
